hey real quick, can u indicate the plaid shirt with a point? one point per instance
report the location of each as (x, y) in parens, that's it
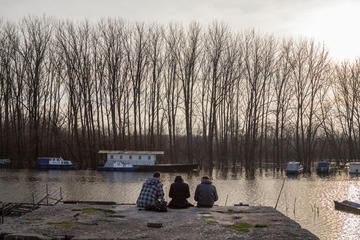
(151, 191)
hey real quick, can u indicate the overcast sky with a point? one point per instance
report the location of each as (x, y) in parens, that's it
(333, 22)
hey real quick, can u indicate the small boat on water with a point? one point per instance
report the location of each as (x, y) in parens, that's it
(347, 206)
(4, 163)
(294, 168)
(354, 168)
(323, 167)
(139, 161)
(54, 163)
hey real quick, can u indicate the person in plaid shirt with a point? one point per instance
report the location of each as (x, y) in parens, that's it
(152, 195)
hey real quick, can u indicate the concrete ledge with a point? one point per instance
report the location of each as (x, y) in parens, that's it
(84, 221)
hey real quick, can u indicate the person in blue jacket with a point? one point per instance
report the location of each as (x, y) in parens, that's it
(205, 193)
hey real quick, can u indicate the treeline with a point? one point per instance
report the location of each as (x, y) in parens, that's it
(201, 93)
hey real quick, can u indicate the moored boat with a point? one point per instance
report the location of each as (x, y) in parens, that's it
(323, 167)
(354, 168)
(294, 168)
(347, 206)
(139, 161)
(4, 163)
(54, 163)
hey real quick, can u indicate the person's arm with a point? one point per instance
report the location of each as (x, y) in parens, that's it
(196, 197)
(187, 191)
(160, 191)
(215, 194)
(171, 192)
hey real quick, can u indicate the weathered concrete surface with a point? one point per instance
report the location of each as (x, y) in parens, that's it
(127, 222)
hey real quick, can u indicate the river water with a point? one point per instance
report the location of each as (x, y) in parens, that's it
(307, 199)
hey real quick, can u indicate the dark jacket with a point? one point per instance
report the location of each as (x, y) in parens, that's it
(205, 194)
(151, 192)
(179, 192)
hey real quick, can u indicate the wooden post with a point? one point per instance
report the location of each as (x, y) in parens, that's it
(33, 198)
(60, 193)
(47, 195)
(2, 213)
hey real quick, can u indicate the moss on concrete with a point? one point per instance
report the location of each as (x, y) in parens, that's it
(242, 227)
(64, 225)
(92, 210)
(211, 222)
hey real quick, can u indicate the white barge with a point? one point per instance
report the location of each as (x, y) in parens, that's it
(138, 161)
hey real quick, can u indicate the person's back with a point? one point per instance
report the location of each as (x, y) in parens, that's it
(205, 193)
(151, 193)
(179, 192)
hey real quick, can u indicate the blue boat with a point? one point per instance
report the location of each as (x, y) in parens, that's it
(323, 167)
(54, 163)
(4, 163)
(294, 168)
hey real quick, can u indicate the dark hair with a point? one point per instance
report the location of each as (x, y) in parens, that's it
(156, 174)
(178, 179)
(206, 177)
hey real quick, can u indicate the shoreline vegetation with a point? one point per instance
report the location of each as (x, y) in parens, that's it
(202, 93)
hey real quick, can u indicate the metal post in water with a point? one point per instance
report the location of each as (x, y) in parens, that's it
(47, 195)
(2, 213)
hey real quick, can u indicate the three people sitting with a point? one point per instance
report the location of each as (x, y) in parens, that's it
(152, 195)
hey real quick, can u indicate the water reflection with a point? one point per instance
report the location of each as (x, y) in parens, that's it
(308, 199)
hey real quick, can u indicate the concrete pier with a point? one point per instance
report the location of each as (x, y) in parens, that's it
(84, 221)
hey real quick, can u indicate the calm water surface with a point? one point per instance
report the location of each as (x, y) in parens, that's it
(308, 199)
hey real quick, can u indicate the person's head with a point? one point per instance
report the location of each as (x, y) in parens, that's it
(178, 179)
(156, 175)
(205, 177)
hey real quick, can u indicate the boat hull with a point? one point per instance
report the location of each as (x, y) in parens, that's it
(322, 170)
(293, 172)
(168, 167)
(55, 167)
(347, 206)
(151, 168)
(117, 169)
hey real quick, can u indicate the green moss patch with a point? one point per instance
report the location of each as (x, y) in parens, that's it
(33, 219)
(92, 210)
(242, 227)
(260, 225)
(64, 225)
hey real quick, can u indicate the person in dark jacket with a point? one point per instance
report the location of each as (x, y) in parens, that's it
(205, 193)
(152, 195)
(179, 192)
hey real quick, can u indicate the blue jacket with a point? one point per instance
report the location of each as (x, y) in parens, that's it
(151, 192)
(205, 194)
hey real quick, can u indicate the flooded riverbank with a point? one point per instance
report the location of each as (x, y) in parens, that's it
(307, 199)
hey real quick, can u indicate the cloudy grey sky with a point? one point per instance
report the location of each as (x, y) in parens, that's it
(334, 22)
